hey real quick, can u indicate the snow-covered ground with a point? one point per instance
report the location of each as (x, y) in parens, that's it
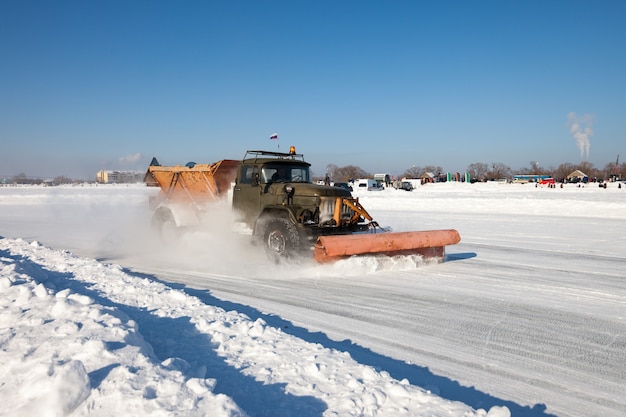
(527, 316)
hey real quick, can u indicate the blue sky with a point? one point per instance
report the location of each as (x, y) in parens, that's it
(90, 85)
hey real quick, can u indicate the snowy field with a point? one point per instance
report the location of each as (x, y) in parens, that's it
(527, 316)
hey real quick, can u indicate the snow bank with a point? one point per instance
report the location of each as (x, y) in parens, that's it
(80, 337)
(63, 353)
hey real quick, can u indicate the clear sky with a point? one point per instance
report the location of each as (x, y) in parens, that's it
(90, 85)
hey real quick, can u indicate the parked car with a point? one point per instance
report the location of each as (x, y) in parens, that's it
(407, 186)
(343, 185)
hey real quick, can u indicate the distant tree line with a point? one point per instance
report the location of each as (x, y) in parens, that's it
(485, 172)
(480, 171)
(24, 179)
(345, 174)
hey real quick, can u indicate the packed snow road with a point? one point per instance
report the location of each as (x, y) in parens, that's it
(488, 327)
(529, 311)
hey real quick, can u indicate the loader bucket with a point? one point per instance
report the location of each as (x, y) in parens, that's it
(430, 244)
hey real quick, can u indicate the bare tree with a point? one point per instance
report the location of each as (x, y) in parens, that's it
(499, 170)
(413, 172)
(344, 174)
(615, 170)
(437, 170)
(331, 171)
(587, 168)
(534, 168)
(563, 171)
(478, 171)
(21, 178)
(62, 179)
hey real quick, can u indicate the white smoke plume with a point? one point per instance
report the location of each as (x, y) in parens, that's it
(580, 128)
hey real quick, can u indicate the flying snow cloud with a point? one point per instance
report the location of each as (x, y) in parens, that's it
(580, 128)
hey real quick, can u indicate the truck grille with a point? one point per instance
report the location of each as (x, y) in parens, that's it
(327, 211)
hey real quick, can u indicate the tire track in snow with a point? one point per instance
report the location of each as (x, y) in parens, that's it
(519, 341)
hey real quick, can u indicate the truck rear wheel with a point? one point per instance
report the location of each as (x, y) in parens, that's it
(163, 221)
(281, 239)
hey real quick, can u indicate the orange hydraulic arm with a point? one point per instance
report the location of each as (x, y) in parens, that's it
(353, 203)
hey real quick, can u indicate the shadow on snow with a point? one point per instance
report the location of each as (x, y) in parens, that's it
(185, 342)
(418, 375)
(256, 398)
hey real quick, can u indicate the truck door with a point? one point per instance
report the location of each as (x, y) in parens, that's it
(247, 195)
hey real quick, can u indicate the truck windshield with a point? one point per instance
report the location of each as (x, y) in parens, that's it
(285, 173)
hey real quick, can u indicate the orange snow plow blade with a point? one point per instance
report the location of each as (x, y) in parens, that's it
(430, 244)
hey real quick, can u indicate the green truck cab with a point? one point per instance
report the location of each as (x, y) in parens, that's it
(275, 197)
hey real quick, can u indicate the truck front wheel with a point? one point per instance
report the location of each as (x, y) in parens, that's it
(281, 239)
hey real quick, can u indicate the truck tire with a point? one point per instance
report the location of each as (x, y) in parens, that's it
(281, 239)
(163, 221)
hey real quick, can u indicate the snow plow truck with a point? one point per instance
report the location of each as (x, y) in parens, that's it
(273, 195)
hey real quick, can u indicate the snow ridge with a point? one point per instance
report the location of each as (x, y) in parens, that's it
(84, 338)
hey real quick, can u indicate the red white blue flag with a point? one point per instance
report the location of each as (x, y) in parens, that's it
(274, 136)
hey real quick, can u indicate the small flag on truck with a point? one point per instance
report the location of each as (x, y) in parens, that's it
(274, 136)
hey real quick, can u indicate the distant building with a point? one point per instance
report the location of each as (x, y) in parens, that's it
(427, 177)
(523, 178)
(119, 177)
(577, 176)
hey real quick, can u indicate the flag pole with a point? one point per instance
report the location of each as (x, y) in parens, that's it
(274, 136)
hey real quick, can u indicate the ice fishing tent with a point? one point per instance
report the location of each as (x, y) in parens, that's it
(427, 177)
(577, 176)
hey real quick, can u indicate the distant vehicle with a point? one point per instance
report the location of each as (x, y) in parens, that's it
(407, 186)
(546, 181)
(383, 178)
(369, 185)
(343, 185)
